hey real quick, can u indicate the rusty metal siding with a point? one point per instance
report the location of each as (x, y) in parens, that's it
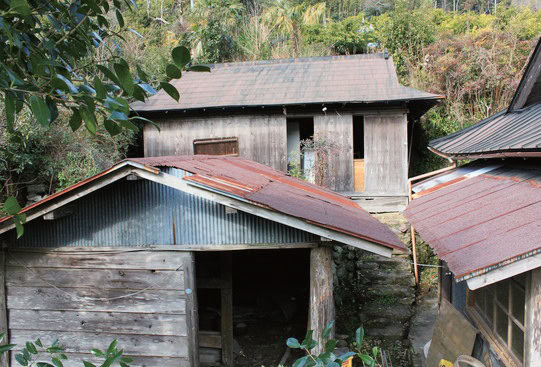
(272, 189)
(139, 213)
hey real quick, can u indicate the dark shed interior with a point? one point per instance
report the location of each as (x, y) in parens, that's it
(268, 291)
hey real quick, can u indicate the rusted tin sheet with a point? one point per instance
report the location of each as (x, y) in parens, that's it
(264, 186)
(483, 221)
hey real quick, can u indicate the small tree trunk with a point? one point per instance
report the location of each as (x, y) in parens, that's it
(295, 35)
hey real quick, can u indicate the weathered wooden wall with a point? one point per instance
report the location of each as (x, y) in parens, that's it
(339, 129)
(386, 154)
(137, 297)
(262, 138)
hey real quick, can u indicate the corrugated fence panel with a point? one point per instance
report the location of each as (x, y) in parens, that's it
(140, 301)
(140, 213)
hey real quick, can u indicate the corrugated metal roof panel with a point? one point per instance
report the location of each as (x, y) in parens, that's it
(264, 186)
(485, 220)
(512, 132)
(249, 181)
(143, 213)
(335, 79)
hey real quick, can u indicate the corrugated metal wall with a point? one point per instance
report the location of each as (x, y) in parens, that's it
(139, 213)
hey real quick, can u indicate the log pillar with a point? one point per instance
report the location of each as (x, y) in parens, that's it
(322, 309)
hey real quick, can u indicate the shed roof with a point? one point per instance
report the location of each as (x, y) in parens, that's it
(250, 187)
(368, 78)
(516, 133)
(513, 132)
(480, 217)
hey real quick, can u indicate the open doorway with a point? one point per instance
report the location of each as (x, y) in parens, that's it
(358, 153)
(299, 129)
(269, 303)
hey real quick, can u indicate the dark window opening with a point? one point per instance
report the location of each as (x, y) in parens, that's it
(270, 300)
(502, 306)
(358, 137)
(358, 154)
(217, 146)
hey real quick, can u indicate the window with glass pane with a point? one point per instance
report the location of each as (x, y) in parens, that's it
(503, 307)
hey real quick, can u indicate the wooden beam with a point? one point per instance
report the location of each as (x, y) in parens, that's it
(4, 357)
(192, 313)
(531, 75)
(210, 339)
(173, 248)
(533, 319)
(227, 309)
(505, 272)
(322, 309)
(192, 188)
(72, 196)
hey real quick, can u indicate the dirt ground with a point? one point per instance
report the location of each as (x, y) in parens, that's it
(264, 342)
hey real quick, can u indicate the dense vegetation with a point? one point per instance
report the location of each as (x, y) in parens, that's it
(474, 55)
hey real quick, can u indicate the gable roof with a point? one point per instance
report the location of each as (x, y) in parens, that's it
(513, 132)
(482, 219)
(368, 78)
(247, 186)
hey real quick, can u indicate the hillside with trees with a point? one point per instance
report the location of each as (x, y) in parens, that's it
(472, 51)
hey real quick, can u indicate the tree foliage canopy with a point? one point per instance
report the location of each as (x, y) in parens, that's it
(65, 57)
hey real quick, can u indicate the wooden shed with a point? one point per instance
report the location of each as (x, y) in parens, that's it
(263, 110)
(168, 254)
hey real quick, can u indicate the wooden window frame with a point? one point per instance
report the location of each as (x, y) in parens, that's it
(501, 347)
(207, 141)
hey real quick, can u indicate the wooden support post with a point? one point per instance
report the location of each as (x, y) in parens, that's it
(192, 313)
(321, 294)
(413, 240)
(227, 309)
(414, 247)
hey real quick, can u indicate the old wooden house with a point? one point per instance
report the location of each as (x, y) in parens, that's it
(263, 111)
(179, 259)
(483, 220)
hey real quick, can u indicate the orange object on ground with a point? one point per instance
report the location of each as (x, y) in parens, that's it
(348, 363)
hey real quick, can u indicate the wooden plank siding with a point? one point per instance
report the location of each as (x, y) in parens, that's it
(262, 138)
(87, 299)
(339, 129)
(386, 154)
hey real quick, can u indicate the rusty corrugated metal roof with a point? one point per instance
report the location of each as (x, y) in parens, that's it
(369, 78)
(272, 189)
(480, 217)
(262, 186)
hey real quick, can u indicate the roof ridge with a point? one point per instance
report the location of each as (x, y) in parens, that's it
(375, 56)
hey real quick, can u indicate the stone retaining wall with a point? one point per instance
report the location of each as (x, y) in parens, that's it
(375, 292)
